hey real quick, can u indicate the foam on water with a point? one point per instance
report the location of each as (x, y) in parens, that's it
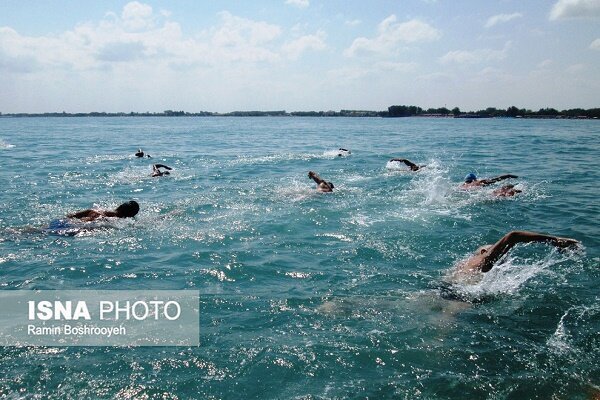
(336, 153)
(511, 273)
(4, 145)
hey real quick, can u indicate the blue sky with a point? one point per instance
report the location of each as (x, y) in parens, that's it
(81, 56)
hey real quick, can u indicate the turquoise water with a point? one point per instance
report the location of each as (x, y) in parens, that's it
(308, 295)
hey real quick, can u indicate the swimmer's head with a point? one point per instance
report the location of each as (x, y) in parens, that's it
(470, 178)
(483, 249)
(330, 185)
(128, 210)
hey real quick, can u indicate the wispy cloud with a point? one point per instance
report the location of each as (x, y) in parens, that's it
(595, 45)
(576, 69)
(353, 22)
(391, 34)
(563, 9)
(298, 3)
(475, 56)
(396, 66)
(501, 18)
(294, 49)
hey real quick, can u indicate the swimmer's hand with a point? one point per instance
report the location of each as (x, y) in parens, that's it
(564, 243)
(567, 244)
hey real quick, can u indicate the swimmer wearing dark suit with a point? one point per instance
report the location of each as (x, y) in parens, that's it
(409, 164)
(140, 154)
(157, 172)
(125, 210)
(322, 185)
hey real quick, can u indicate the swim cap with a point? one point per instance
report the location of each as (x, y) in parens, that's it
(128, 210)
(470, 178)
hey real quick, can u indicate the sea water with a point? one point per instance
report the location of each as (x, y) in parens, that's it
(303, 294)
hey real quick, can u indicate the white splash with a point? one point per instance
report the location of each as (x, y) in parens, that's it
(509, 275)
(4, 145)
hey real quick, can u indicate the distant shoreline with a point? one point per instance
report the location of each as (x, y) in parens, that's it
(392, 112)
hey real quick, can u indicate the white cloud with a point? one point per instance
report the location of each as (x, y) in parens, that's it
(595, 45)
(391, 34)
(575, 9)
(237, 31)
(353, 22)
(436, 77)
(296, 47)
(241, 39)
(298, 3)
(140, 36)
(545, 64)
(347, 74)
(475, 56)
(121, 51)
(137, 16)
(396, 66)
(501, 18)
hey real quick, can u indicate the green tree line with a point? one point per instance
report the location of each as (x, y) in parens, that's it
(492, 112)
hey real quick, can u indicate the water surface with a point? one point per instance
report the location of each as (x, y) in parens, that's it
(307, 295)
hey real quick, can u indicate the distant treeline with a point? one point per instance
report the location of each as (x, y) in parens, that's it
(491, 112)
(171, 113)
(392, 112)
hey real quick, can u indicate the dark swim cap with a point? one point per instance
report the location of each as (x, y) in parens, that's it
(128, 210)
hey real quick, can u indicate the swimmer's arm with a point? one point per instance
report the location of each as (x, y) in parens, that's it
(313, 175)
(497, 179)
(156, 166)
(502, 246)
(89, 213)
(405, 161)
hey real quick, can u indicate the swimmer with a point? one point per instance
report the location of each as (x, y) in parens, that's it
(486, 256)
(125, 210)
(506, 191)
(343, 152)
(140, 154)
(157, 172)
(409, 164)
(322, 186)
(472, 181)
